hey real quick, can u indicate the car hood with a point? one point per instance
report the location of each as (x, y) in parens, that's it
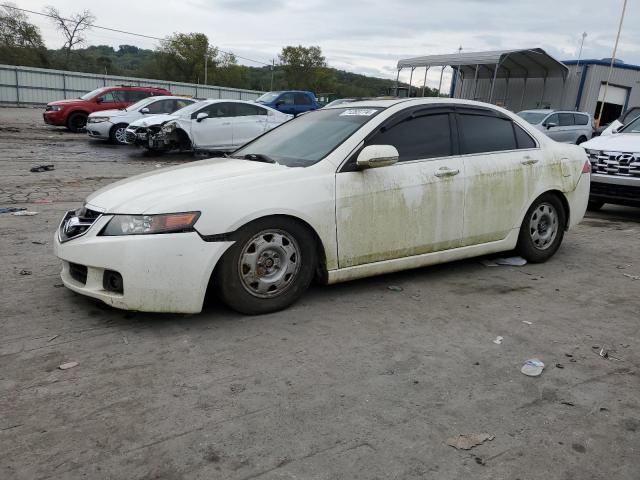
(618, 142)
(67, 102)
(147, 121)
(171, 189)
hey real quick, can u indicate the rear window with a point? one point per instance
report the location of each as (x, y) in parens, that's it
(566, 119)
(581, 119)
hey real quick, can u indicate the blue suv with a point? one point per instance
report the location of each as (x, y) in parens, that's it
(293, 102)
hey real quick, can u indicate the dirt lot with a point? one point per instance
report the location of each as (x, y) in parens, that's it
(357, 381)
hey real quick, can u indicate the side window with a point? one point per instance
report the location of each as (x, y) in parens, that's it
(552, 119)
(244, 110)
(217, 110)
(580, 119)
(181, 104)
(302, 99)
(523, 139)
(133, 96)
(566, 119)
(630, 115)
(417, 138)
(112, 96)
(482, 133)
(287, 99)
(161, 106)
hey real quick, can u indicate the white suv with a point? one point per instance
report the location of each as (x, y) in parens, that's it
(112, 124)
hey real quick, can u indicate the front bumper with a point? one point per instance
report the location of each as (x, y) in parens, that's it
(52, 117)
(160, 273)
(99, 130)
(619, 190)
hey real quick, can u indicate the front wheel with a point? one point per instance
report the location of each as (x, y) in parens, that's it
(118, 133)
(580, 140)
(77, 121)
(542, 229)
(269, 267)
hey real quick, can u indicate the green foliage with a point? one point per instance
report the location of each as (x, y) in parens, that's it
(20, 41)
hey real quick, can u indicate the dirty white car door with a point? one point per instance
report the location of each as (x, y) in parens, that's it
(412, 207)
(501, 164)
(215, 130)
(249, 122)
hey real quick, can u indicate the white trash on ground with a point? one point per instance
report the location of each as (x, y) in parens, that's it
(533, 367)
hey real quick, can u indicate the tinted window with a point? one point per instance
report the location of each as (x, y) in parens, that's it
(135, 95)
(481, 133)
(302, 99)
(523, 139)
(180, 103)
(114, 96)
(161, 106)
(217, 110)
(580, 119)
(552, 119)
(566, 119)
(286, 99)
(428, 136)
(630, 115)
(243, 110)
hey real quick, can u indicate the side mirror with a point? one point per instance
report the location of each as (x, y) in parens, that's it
(144, 110)
(374, 156)
(201, 116)
(551, 124)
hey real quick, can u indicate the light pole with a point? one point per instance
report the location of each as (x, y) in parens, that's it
(584, 35)
(613, 59)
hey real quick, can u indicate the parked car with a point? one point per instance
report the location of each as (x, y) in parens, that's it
(209, 125)
(566, 127)
(630, 115)
(339, 193)
(112, 124)
(292, 102)
(73, 113)
(615, 162)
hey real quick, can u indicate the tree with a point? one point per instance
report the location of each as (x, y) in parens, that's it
(20, 41)
(73, 29)
(305, 68)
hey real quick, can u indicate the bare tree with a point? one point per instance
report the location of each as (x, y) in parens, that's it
(73, 28)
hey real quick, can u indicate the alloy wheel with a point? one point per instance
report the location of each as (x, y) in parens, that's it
(543, 226)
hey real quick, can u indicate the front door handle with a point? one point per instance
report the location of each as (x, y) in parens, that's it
(529, 161)
(446, 172)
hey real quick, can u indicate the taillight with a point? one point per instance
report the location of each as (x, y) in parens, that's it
(586, 168)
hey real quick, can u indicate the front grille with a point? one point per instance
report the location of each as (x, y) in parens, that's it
(77, 222)
(78, 273)
(615, 163)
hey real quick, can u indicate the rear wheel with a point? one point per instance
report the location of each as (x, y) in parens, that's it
(77, 121)
(542, 229)
(118, 133)
(270, 266)
(580, 140)
(594, 205)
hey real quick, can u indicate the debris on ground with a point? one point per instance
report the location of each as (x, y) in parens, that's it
(35, 242)
(42, 168)
(509, 262)
(498, 340)
(569, 404)
(532, 367)
(24, 213)
(395, 288)
(124, 339)
(632, 277)
(10, 129)
(469, 440)
(68, 365)
(604, 353)
(25, 272)
(11, 209)
(527, 322)
(559, 365)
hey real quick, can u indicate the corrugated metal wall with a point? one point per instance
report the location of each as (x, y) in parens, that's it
(555, 96)
(38, 86)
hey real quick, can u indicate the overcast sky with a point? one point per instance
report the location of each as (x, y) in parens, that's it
(367, 36)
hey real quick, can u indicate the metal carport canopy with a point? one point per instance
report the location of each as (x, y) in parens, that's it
(526, 63)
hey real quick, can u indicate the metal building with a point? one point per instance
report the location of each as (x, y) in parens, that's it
(531, 78)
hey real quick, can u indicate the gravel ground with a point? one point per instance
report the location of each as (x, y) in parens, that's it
(356, 381)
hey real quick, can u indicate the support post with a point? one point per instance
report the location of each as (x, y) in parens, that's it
(411, 80)
(506, 92)
(206, 61)
(544, 87)
(64, 85)
(397, 81)
(564, 84)
(524, 89)
(493, 82)
(273, 65)
(440, 84)
(424, 83)
(475, 82)
(17, 87)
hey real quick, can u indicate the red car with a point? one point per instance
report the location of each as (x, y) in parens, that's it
(73, 113)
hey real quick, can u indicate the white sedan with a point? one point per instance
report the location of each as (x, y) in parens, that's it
(336, 194)
(209, 125)
(112, 124)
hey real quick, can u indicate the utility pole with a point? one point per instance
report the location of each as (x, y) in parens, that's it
(273, 64)
(613, 59)
(206, 62)
(584, 35)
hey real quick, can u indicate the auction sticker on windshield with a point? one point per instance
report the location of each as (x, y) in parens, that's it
(358, 112)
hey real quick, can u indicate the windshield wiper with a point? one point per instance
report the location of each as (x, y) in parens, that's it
(259, 157)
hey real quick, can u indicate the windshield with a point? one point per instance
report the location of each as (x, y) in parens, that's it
(268, 97)
(533, 118)
(307, 139)
(91, 94)
(340, 101)
(633, 127)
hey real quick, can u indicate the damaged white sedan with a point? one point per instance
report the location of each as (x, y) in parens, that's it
(337, 194)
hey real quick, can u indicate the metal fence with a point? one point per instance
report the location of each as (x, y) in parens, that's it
(38, 86)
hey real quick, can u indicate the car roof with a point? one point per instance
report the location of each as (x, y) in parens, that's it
(549, 110)
(409, 102)
(169, 97)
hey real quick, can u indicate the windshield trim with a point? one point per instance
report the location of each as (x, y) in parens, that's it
(628, 125)
(311, 112)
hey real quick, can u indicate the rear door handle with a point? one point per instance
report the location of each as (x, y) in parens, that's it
(446, 172)
(529, 161)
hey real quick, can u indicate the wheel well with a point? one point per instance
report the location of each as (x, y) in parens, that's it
(565, 204)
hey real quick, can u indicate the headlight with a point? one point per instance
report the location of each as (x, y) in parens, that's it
(98, 119)
(55, 108)
(147, 224)
(169, 127)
